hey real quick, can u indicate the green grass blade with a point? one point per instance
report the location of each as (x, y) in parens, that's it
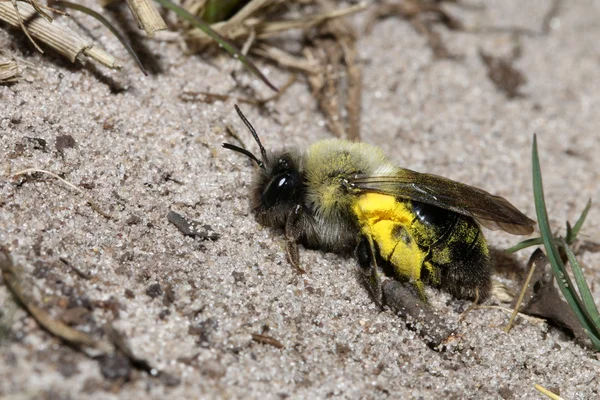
(584, 290)
(580, 221)
(228, 47)
(562, 278)
(106, 23)
(220, 10)
(595, 340)
(569, 237)
(524, 244)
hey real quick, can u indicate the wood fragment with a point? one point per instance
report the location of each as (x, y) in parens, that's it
(262, 339)
(57, 37)
(147, 16)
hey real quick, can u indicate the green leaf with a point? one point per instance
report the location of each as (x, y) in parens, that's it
(583, 287)
(558, 268)
(571, 235)
(223, 43)
(579, 223)
(595, 340)
(524, 244)
(221, 10)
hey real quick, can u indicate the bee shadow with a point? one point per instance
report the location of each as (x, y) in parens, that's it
(507, 264)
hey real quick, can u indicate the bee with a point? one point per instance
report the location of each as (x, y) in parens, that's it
(418, 228)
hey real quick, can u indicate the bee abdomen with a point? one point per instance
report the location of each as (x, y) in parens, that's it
(463, 260)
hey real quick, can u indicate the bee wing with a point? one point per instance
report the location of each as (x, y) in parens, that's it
(493, 212)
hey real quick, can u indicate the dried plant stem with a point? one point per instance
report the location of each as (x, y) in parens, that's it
(9, 71)
(546, 392)
(81, 192)
(57, 37)
(285, 59)
(235, 28)
(273, 28)
(147, 16)
(23, 28)
(521, 296)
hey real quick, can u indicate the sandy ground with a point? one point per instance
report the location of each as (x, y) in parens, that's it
(139, 151)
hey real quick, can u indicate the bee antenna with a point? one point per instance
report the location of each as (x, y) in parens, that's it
(263, 152)
(244, 152)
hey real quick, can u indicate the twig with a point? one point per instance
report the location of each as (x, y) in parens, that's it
(72, 186)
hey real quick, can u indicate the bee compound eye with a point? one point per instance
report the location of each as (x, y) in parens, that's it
(277, 189)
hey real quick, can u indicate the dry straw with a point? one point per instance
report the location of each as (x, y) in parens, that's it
(147, 16)
(59, 38)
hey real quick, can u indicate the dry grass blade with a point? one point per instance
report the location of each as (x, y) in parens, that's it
(81, 192)
(268, 29)
(546, 392)
(307, 65)
(235, 22)
(337, 84)
(535, 259)
(55, 36)
(238, 27)
(216, 37)
(9, 71)
(23, 28)
(106, 23)
(54, 327)
(147, 16)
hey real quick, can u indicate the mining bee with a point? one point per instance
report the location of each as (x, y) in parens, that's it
(419, 228)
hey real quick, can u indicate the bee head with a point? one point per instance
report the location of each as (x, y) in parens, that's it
(277, 187)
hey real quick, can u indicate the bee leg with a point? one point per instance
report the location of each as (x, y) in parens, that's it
(419, 287)
(365, 254)
(419, 315)
(292, 235)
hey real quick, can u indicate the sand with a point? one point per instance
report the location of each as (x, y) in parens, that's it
(139, 151)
